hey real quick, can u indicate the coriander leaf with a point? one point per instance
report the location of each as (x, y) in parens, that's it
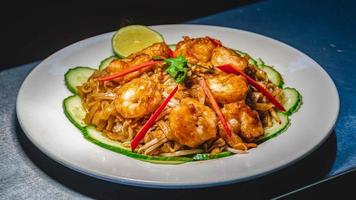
(177, 68)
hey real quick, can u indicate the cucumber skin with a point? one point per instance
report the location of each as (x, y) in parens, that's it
(260, 64)
(69, 86)
(69, 116)
(280, 79)
(296, 106)
(67, 82)
(265, 138)
(205, 156)
(104, 64)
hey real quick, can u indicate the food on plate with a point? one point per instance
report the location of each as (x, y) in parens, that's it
(195, 100)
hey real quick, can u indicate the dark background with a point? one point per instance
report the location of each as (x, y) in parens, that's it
(32, 30)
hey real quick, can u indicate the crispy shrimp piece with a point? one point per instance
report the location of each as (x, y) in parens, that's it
(121, 64)
(138, 98)
(160, 49)
(227, 88)
(145, 55)
(222, 55)
(243, 120)
(231, 115)
(251, 126)
(204, 52)
(195, 50)
(192, 123)
(117, 65)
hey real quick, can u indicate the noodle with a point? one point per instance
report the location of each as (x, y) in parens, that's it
(150, 143)
(275, 116)
(182, 153)
(155, 146)
(262, 106)
(100, 100)
(236, 151)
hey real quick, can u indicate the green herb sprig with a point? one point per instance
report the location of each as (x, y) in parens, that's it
(177, 68)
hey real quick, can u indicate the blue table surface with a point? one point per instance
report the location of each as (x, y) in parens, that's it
(324, 30)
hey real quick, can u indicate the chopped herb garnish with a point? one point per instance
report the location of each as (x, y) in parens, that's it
(177, 68)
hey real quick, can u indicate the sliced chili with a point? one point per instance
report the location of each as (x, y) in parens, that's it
(230, 69)
(129, 70)
(215, 106)
(141, 134)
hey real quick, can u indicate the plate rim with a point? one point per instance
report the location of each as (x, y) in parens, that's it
(160, 184)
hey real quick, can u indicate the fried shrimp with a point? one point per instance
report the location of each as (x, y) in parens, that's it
(138, 98)
(205, 52)
(196, 50)
(227, 88)
(156, 50)
(222, 55)
(192, 123)
(243, 120)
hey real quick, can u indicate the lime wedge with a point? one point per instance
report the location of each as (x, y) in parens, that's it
(131, 39)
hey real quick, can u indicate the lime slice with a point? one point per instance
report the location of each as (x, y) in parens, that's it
(131, 39)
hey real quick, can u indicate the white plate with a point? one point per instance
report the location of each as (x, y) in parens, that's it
(40, 113)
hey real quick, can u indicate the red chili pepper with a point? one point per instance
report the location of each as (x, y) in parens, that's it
(129, 70)
(215, 106)
(170, 53)
(139, 136)
(230, 69)
(215, 41)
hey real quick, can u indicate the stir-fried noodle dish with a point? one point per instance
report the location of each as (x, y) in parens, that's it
(199, 98)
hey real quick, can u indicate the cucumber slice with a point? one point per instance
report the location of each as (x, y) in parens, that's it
(260, 63)
(74, 111)
(205, 156)
(292, 100)
(76, 77)
(273, 75)
(131, 39)
(91, 134)
(250, 60)
(243, 54)
(106, 62)
(276, 128)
